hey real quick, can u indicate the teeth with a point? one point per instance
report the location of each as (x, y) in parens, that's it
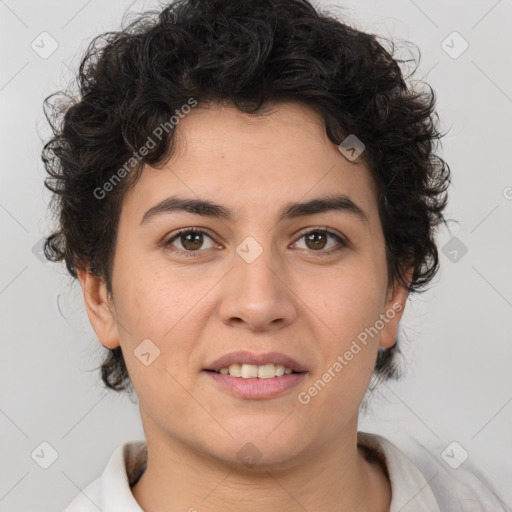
(235, 370)
(252, 371)
(249, 371)
(267, 371)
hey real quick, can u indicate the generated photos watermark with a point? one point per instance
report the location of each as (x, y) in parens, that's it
(363, 337)
(131, 163)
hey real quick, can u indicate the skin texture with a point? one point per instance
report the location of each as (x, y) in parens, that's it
(293, 299)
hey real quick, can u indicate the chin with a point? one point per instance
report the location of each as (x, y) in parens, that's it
(258, 443)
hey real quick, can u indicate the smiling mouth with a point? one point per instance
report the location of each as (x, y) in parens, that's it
(256, 382)
(252, 371)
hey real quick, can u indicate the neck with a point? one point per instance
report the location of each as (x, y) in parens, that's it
(334, 475)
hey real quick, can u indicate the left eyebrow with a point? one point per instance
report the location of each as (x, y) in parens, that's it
(341, 203)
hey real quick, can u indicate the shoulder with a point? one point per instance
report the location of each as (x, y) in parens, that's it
(112, 490)
(423, 479)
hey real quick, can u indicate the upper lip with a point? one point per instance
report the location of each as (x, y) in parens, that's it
(246, 357)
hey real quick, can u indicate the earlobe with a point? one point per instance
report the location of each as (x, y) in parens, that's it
(99, 308)
(393, 312)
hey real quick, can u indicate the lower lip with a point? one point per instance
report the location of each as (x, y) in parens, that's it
(257, 388)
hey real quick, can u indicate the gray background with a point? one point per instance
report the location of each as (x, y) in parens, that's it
(458, 335)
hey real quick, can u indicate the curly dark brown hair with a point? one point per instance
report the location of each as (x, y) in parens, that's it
(251, 54)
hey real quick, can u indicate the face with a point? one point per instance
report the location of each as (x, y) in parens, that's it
(267, 269)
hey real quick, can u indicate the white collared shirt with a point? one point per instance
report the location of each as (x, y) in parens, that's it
(434, 488)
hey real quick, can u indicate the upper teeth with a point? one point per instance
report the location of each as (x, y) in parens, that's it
(251, 371)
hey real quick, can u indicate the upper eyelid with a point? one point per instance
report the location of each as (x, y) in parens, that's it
(190, 230)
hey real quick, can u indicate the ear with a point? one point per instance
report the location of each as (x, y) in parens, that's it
(394, 308)
(100, 308)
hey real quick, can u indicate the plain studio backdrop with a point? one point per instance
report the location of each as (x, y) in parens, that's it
(457, 336)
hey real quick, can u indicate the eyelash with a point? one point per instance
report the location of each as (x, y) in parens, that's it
(194, 254)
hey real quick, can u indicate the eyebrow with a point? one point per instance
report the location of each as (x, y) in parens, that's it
(340, 203)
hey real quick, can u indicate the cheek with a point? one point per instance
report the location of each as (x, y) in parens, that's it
(164, 306)
(346, 305)
(153, 301)
(156, 317)
(348, 300)
(348, 352)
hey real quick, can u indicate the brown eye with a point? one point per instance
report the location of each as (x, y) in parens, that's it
(320, 239)
(190, 241)
(316, 240)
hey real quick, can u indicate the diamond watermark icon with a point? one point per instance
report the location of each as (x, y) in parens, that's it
(44, 45)
(249, 249)
(351, 148)
(454, 45)
(454, 455)
(146, 352)
(249, 455)
(38, 250)
(454, 249)
(44, 455)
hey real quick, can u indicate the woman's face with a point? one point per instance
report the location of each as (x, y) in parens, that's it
(260, 275)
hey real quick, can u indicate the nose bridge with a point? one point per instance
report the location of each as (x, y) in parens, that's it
(256, 271)
(256, 268)
(258, 295)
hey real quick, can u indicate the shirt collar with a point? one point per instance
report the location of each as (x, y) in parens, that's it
(410, 490)
(124, 468)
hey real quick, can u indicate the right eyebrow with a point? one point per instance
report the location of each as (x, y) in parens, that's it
(197, 206)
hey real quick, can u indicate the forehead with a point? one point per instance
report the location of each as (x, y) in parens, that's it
(252, 162)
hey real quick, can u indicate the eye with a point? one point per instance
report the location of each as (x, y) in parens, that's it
(193, 240)
(190, 240)
(322, 240)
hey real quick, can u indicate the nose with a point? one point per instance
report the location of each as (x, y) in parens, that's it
(256, 294)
